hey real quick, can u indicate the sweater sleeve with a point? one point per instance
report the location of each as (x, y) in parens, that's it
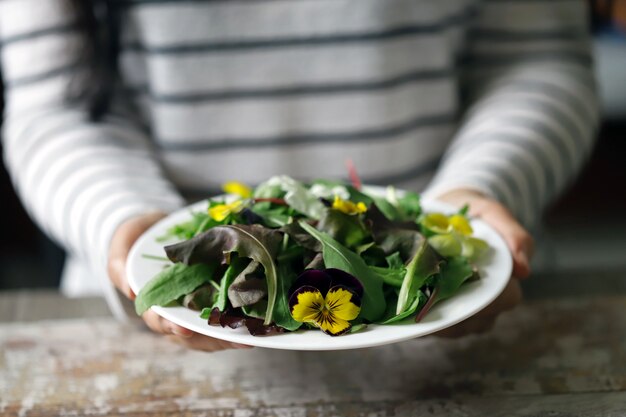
(530, 105)
(77, 178)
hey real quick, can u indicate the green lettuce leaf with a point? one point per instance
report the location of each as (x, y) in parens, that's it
(171, 283)
(215, 245)
(419, 301)
(347, 229)
(282, 314)
(338, 256)
(236, 266)
(424, 264)
(453, 274)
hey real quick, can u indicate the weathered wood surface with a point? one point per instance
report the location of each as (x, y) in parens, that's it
(557, 357)
(35, 305)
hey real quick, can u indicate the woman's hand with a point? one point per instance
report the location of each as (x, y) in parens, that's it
(519, 242)
(125, 235)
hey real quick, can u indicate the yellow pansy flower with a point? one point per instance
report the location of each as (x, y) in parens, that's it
(237, 188)
(348, 207)
(453, 235)
(440, 223)
(221, 211)
(328, 299)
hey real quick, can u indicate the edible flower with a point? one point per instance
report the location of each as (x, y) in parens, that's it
(237, 188)
(452, 235)
(348, 207)
(440, 223)
(219, 212)
(326, 298)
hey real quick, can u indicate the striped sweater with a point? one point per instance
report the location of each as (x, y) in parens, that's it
(497, 96)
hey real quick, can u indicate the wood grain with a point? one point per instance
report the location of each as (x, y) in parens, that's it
(34, 305)
(551, 356)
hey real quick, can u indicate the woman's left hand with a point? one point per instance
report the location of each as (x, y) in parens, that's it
(519, 242)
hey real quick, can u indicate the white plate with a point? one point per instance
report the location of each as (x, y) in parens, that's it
(495, 270)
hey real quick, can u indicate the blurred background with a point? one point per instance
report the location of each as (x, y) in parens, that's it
(584, 231)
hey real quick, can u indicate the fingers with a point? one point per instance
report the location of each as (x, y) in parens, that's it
(158, 324)
(516, 237)
(186, 337)
(117, 275)
(121, 243)
(205, 343)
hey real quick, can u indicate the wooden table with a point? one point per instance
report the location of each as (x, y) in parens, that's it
(556, 355)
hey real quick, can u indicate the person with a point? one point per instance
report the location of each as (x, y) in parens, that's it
(118, 112)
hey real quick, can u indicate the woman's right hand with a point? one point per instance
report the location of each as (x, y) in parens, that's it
(123, 239)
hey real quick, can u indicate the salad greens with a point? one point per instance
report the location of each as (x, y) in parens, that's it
(287, 256)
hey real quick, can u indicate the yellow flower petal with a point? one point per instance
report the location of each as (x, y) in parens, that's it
(308, 307)
(331, 324)
(348, 207)
(221, 211)
(233, 187)
(437, 222)
(339, 302)
(460, 224)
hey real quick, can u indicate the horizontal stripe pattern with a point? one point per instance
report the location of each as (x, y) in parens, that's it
(44, 55)
(310, 118)
(237, 23)
(496, 96)
(290, 67)
(374, 159)
(531, 103)
(299, 90)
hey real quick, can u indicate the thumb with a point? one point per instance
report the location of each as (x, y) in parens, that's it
(121, 243)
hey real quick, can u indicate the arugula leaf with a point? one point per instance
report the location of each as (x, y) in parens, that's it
(453, 274)
(256, 310)
(424, 264)
(347, 229)
(282, 313)
(410, 206)
(237, 265)
(395, 272)
(171, 283)
(338, 256)
(256, 242)
(272, 217)
(390, 276)
(420, 300)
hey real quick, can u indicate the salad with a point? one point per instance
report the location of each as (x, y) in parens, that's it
(326, 256)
